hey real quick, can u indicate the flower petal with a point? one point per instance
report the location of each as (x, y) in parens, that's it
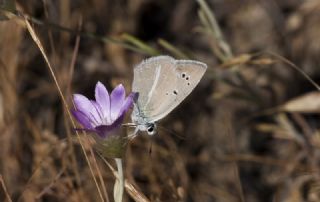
(103, 99)
(117, 98)
(98, 110)
(82, 119)
(85, 106)
(128, 102)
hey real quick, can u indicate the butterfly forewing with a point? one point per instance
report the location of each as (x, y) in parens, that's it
(145, 75)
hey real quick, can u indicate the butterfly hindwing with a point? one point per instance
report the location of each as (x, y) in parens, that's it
(163, 83)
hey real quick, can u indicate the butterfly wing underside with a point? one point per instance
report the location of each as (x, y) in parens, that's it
(163, 83)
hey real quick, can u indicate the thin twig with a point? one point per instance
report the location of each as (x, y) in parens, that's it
(305, 75)
(5, 189)
(49, 187)
(68, 92)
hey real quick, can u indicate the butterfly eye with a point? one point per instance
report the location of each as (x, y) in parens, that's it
(151, 129)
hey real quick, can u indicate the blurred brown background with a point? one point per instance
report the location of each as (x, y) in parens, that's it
(244, 134)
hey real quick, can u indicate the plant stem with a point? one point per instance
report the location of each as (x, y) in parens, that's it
(119, 185)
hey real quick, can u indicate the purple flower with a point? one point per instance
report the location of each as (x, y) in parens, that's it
(104, 114)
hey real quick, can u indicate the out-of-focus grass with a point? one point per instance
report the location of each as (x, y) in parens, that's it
(230, 151)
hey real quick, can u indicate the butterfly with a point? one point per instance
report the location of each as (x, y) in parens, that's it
(162, 83)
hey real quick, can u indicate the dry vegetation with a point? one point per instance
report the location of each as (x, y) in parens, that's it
(249, 132)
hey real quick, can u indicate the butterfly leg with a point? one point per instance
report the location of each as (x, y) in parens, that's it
(134, 133)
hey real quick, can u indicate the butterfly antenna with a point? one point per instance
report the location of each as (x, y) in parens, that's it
(172, 132)
(129, 124)
(134, 134)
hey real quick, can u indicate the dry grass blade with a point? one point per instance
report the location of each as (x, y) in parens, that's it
(172, 49)
(5, 189)
(65, 118)
(47, 189)
(288, 62)
(307, 103)
(239, 60)
(37, 41)
(143, 47)
(246, 59)
(286, 124)
(134, 193)
(221, 48)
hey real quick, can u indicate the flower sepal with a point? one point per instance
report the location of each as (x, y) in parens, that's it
(112, 147)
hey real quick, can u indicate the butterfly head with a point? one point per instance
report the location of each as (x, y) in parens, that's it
(142, 123)
(150, 128)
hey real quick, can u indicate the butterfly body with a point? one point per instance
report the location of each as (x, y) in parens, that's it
(162, 83)
(141, 122)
